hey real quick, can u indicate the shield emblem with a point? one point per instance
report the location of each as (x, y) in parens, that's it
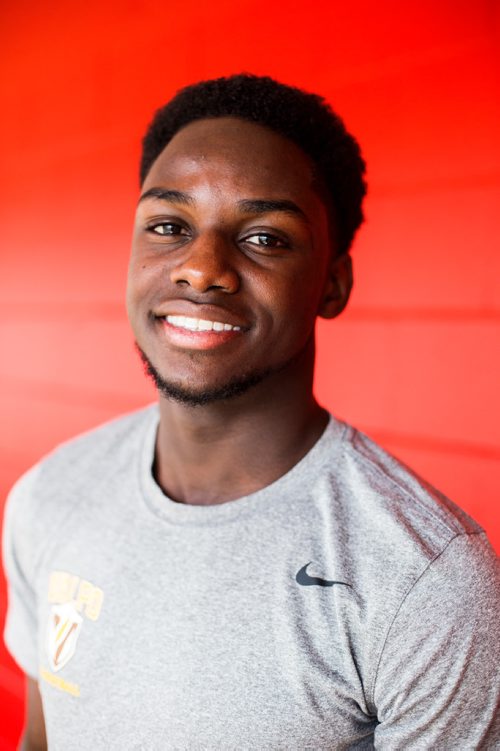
(62, 634)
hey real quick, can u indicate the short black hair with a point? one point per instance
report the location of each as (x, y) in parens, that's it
(304, 118)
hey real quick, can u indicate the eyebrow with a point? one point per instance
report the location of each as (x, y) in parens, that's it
(266, 206)
(172, 196)
(247, 205)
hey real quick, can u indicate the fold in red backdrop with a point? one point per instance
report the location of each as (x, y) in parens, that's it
(413, 361)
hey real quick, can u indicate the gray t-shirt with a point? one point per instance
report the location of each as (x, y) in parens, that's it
(345, 606)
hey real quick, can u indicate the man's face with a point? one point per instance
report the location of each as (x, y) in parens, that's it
(230, 258)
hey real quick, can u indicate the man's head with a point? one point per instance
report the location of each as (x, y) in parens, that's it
(239, 229)
(304, 118)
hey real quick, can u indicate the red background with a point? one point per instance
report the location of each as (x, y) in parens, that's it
(412, 361)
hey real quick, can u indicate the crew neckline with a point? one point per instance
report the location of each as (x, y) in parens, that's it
(174, 512)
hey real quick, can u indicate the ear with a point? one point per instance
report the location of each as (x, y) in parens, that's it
(337, 287)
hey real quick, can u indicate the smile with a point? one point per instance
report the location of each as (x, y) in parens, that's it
(189, 333)
(199, 324)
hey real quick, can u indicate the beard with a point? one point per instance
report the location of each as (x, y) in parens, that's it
(229, 390)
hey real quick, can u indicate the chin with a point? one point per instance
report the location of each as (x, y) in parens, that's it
(206, 395)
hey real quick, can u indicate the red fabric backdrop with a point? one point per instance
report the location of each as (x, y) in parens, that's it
(414, 359)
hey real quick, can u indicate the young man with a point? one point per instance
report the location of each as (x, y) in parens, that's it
(236, 569)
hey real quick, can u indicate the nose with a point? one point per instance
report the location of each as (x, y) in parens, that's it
(207, 265)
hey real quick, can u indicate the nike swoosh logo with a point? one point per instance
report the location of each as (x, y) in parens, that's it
(305, 580)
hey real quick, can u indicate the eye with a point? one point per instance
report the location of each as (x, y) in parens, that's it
(170, 229)
(265, 240)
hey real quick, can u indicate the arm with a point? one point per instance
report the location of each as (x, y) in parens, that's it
(34, 737)
(437, 685)
(19, 550)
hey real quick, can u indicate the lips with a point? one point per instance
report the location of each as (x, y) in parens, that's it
(210, 328)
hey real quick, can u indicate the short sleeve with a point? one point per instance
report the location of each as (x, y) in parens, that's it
(438, 683)
(20, 634)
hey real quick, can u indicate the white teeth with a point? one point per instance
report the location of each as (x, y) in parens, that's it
(200, 324)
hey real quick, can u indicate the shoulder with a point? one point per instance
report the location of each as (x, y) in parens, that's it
(60, 482)
(99, 446)
(100, 449)
(393, 529)
(387, 494)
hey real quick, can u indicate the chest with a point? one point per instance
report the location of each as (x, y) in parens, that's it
(198, 641)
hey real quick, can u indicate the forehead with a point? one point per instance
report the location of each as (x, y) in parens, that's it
(249, 156)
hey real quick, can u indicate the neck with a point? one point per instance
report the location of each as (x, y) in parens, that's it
(218, 452)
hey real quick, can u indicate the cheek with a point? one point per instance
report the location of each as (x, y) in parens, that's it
(138, 296)
(143, 278)
(295, 310)
(133, 285)
(304, 293)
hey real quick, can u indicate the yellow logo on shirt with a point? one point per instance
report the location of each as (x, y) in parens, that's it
(64, 587)
(74, 599)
